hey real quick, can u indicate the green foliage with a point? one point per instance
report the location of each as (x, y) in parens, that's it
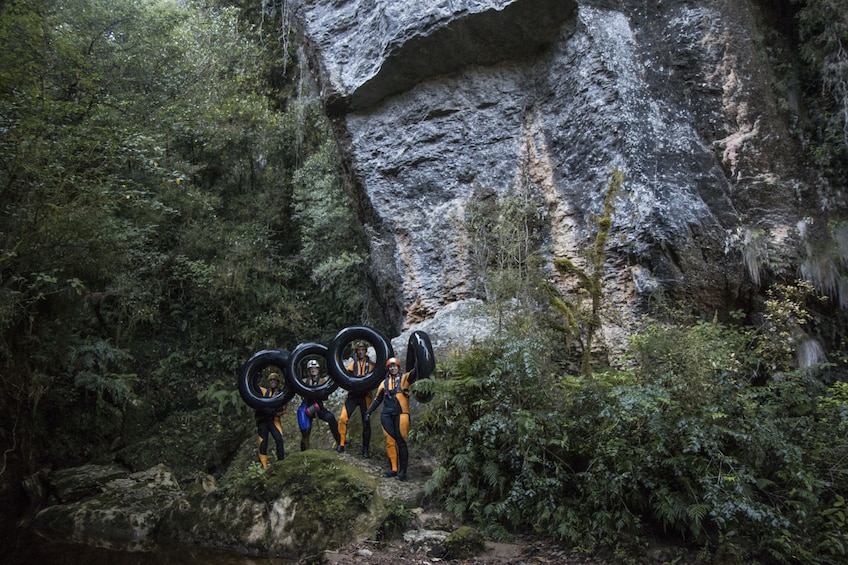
(785, 314)
(93, 365)
(583, 321)
(148, 166)
(505, 237)
(703, 351)
(683, 442)
(504, 232)
(224, 398)
(823, 30)
(333, 243)
(500, 396)
(397, 520)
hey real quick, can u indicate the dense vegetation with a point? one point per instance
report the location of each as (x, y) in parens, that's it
(726, 435)
(687, 442)
(171, 203)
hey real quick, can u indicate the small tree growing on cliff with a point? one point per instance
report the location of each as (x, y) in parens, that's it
(505, 234)
(582, 321)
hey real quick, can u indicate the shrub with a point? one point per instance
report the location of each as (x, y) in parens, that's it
(684, 444)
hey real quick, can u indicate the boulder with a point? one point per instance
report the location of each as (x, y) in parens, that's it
(109, 508)
(71, 485)
(282, 511)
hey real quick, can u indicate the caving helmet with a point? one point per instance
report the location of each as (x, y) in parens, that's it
(312, 363)
(274, 377)
(392, 361)
(359, 344)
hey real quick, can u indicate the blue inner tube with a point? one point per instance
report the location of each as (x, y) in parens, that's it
(421, 359)
(340, 348)
(298, 373)
(254, 373)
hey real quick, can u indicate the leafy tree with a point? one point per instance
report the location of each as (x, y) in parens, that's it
(584, 322)
(822, 35)
(333, 245)
(506, 248)
(147, 247)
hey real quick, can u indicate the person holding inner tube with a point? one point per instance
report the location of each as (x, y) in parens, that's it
(394, 391)
(268, 422)
(361, 366)
(312, 407)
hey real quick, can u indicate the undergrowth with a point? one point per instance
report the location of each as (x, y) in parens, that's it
(689, 441)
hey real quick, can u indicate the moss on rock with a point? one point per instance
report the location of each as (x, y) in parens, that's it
(122, 513)
(303, 505)
(464, 542)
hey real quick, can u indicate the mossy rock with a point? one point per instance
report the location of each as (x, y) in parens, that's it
(309, 502)
(464, 542)
(124, 510)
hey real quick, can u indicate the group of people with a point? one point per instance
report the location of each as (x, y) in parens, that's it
(392, 394)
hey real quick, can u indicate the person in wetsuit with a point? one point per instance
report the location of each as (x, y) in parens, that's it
(360, 367)
(314, 407)
(268, 422)
(394, 391)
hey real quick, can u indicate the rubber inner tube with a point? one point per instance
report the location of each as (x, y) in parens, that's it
(341, 349)
(254, 373)
(298, 372)
(420, 358)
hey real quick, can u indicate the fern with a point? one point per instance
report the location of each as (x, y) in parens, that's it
(223, 397)
(97, 368)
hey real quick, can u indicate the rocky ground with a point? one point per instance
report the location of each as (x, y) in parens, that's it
(523, 552)
(424, 541)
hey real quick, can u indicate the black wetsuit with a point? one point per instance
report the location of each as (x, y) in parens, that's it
(393, 393)
(268, 422)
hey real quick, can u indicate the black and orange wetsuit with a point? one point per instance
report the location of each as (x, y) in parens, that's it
(354, 400)
(393, 393)
(268, 422)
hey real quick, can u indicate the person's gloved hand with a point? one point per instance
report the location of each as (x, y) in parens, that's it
(313, 409)
(367, 417)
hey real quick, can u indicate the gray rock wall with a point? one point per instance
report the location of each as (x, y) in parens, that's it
(431, 99)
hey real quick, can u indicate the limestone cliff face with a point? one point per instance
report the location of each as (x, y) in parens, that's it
(432, 98)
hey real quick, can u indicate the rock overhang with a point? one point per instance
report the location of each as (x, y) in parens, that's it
(368, 51)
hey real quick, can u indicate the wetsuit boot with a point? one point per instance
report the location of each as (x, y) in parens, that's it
(281, 449)
(366, 441)
(264, 460)
(403, 459)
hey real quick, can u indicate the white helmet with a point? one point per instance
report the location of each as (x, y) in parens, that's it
(312, 363)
